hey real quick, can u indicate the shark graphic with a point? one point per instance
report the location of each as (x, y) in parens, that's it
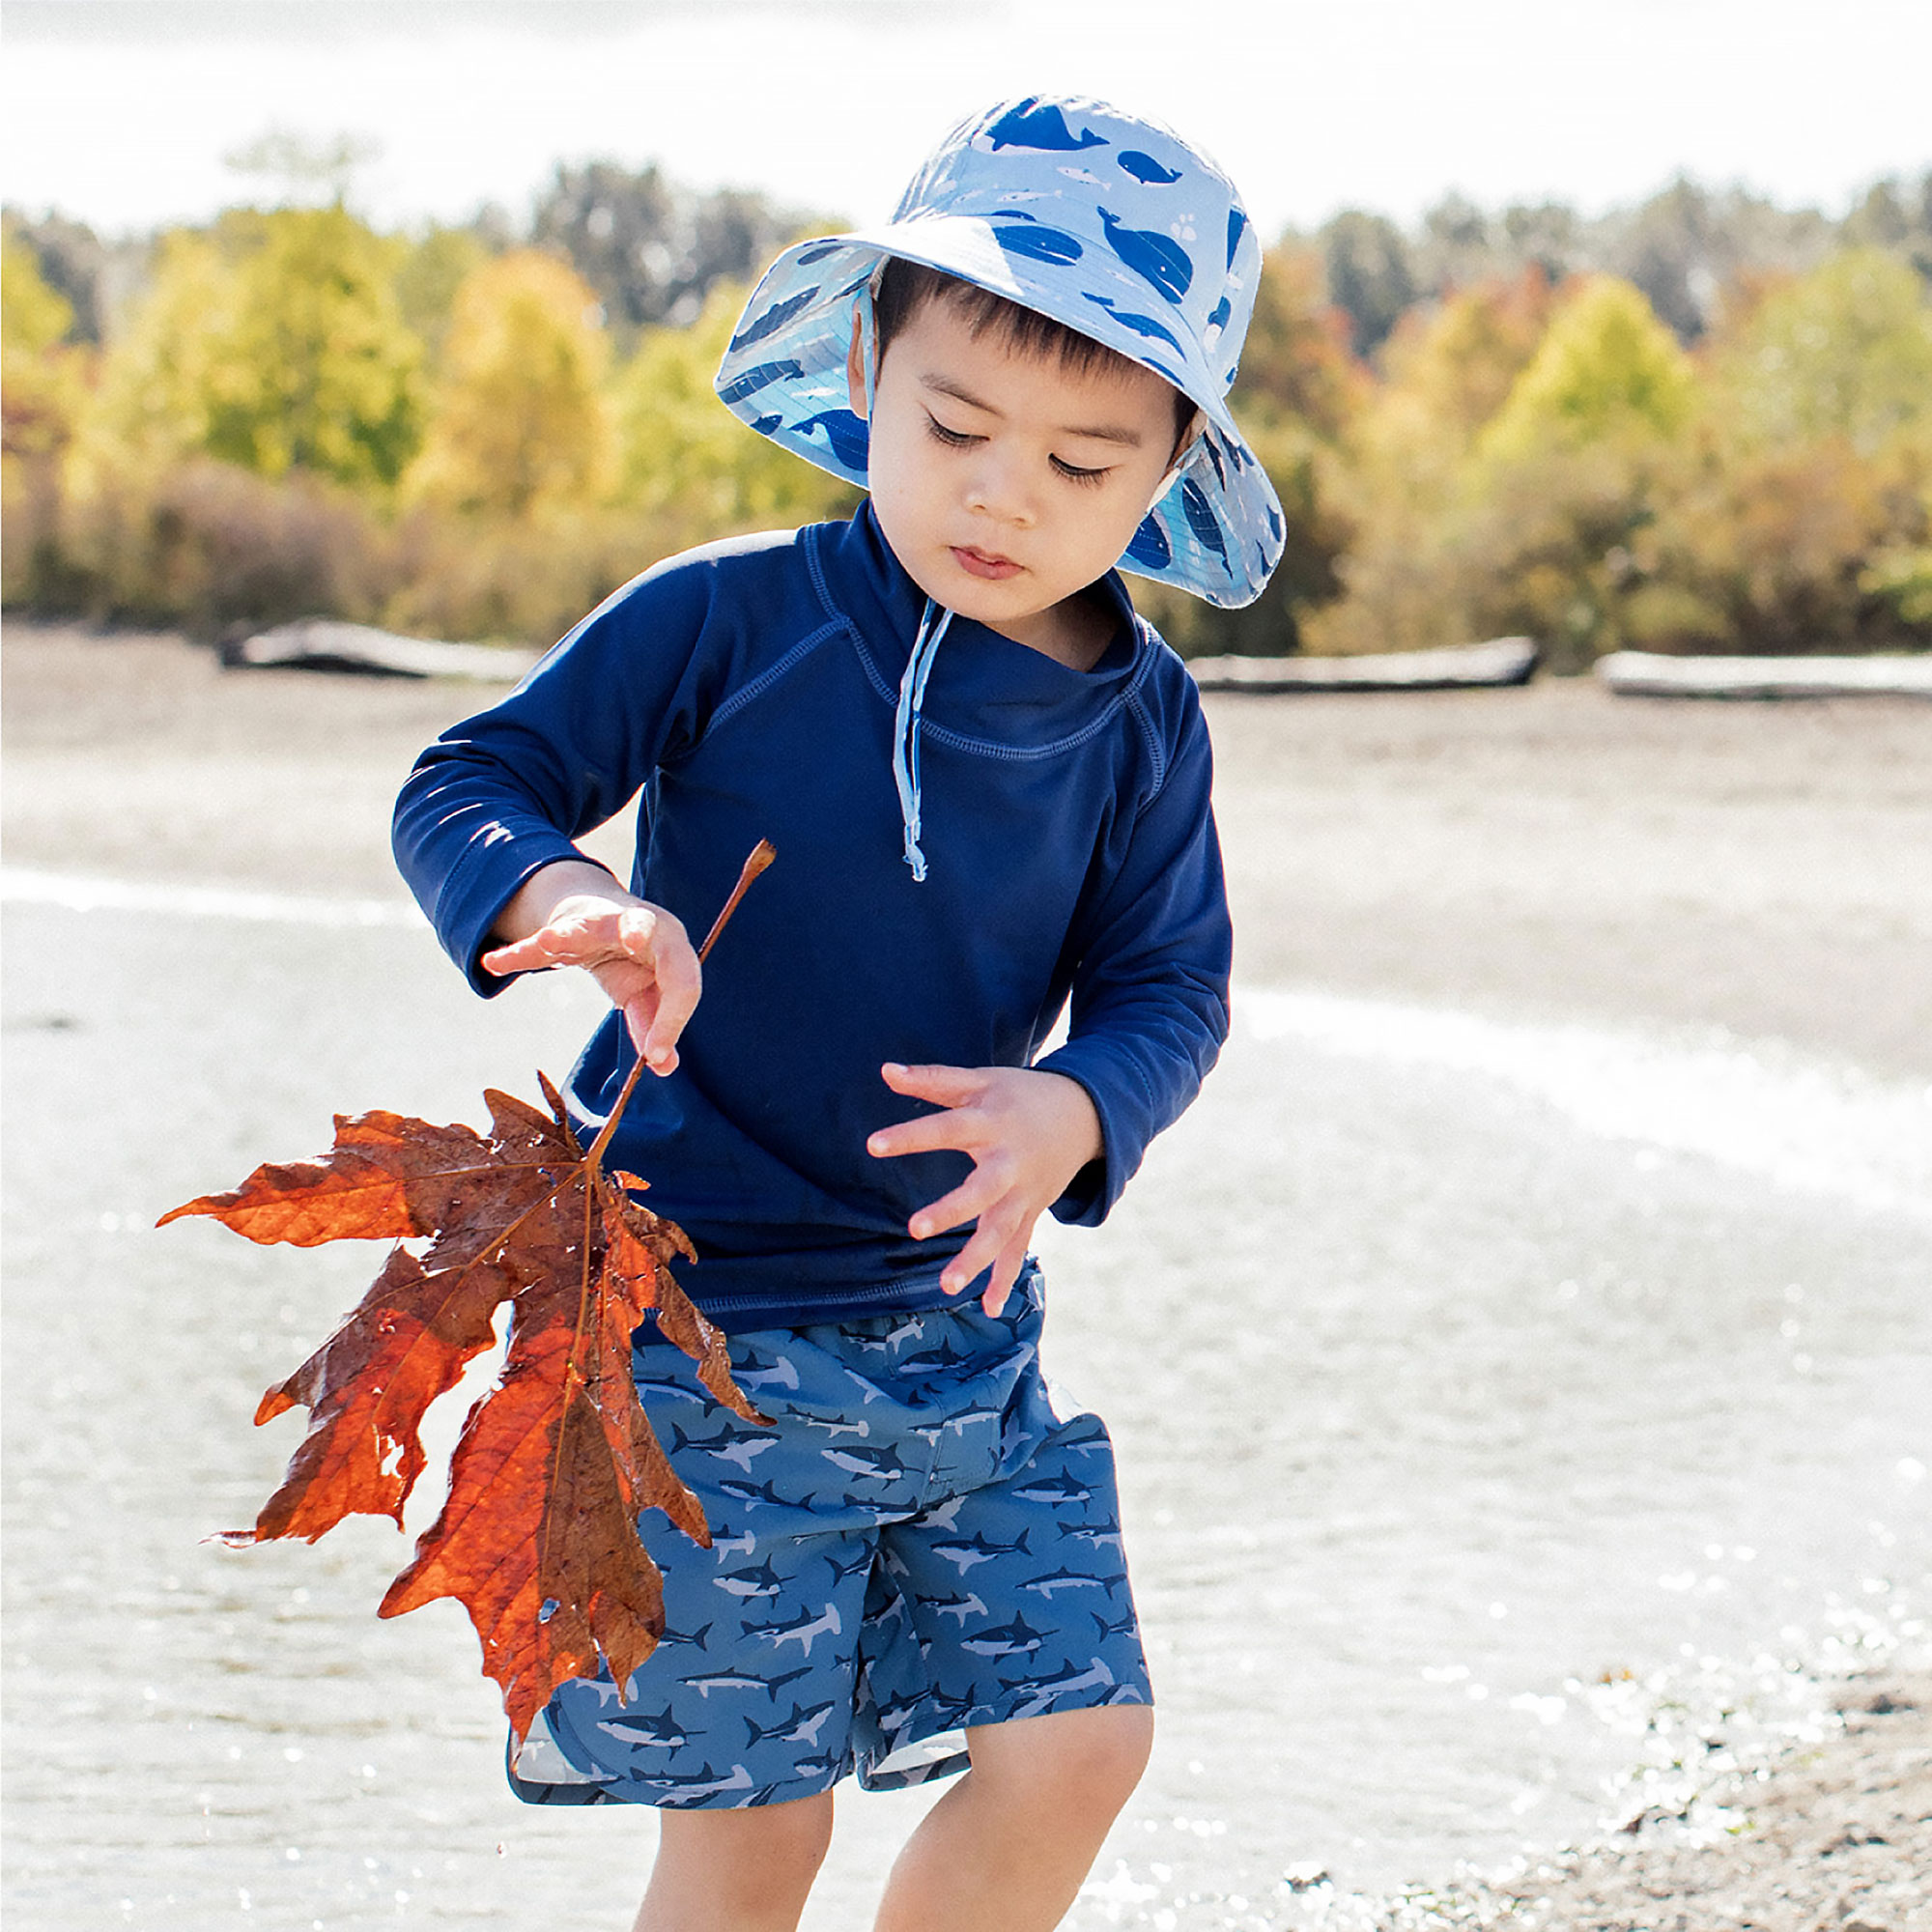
(1055, 1489)
(737, 1682)
(1006, 1639)
(1047, 1691)
(805, 1629)
(877, 1466)
(779, 1373)
(742, 1449)
(977, 1550)
(763, 1581)
(711, 1785)
(1068, 1579)
(802, 1727)
(963, 1607)
(645, 1728)
(752, 1495)
(734, 1546)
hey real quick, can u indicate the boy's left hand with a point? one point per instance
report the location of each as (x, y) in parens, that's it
(1028, 1133)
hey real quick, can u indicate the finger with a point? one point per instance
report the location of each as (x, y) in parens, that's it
(1006, 1271)
(959, 1127)
(973, 1260)
(680, 981)
(972, 1200)
(945, 1086)
(539, 949)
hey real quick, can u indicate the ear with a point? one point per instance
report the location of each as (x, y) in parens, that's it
(1180, 463)
(855, 367)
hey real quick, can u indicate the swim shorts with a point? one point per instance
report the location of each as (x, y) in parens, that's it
(924, 1538)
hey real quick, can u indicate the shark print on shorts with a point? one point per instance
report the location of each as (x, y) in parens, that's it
(922, 1539)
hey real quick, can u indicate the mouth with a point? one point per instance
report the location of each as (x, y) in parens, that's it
(984, 564)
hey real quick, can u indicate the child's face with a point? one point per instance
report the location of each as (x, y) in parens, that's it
(1007, 483)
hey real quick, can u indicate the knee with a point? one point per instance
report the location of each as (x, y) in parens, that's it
(1080, 1764)
(751, 1867)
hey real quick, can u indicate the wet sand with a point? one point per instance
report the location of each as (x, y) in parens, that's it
(1548, 853)
(1552, 854)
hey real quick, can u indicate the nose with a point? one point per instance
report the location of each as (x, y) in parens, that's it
(997, 489)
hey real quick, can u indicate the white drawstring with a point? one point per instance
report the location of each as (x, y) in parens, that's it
(905, 727)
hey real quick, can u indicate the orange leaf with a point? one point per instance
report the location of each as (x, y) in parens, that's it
(538, 1536)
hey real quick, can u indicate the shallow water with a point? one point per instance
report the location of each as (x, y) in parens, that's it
(1452, 1370)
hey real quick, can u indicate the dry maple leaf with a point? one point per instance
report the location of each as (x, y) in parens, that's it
(538, 1536)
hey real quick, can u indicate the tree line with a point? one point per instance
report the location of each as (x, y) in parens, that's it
(1702, 423)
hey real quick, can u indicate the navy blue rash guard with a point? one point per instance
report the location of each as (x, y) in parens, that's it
(746, 691)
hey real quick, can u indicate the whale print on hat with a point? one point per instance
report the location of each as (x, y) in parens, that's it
(1103, 221)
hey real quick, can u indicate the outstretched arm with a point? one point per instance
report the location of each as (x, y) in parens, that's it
(1028, 1134)
(576, 914)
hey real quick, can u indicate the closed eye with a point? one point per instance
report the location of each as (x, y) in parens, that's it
(953, 439)
(1073, 473)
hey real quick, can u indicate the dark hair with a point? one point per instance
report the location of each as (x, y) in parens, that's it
(904, 288)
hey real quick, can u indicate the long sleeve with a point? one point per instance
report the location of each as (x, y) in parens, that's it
(507, 791)
(1149, 1001)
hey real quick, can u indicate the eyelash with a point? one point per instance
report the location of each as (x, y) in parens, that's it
(954, 438)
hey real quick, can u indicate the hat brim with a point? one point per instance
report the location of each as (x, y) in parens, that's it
(1218, 531)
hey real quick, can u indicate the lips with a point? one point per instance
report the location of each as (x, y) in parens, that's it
(984, 564)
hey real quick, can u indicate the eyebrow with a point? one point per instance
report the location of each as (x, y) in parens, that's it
(1129, 438)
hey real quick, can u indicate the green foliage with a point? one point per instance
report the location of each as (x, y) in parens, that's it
(434, 268)
(521, 426)
(316, 369)
(687, 461)
(1606, 371)
(1845, 351)
(32, 315)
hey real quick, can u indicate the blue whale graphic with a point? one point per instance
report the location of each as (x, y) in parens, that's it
(1145, 169)
(1150, 548)
(1200, 519)
(1141, 325)
(1029, 125)
(1238, 221)
(774, 319)
(1158, 259)
(1039, 244)
(755, 380)
(850, 444)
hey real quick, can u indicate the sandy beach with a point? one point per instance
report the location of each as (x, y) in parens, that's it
(1756, 874)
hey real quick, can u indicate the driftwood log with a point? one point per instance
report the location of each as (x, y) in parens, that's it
(325, 643)
(1648, 675)
(1503, 660)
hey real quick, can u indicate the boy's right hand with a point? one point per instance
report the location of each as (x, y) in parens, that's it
(578, 915)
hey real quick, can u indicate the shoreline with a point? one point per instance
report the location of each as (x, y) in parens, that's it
(1546, 854)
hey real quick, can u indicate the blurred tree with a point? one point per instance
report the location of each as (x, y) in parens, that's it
(1370, 274)
(429, 275)
(652, 249)
(315, 368)
(72, 260)
(1295, 363)
(42, 377)
(307, 172)
(520, 425)
(1606, 370)
(1844, 350)
(152, 401)
(687, 460)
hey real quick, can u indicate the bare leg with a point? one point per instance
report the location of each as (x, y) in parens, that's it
(1010, 1844)
(736, 1871)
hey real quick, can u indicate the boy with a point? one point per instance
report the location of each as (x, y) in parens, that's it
(988, 786)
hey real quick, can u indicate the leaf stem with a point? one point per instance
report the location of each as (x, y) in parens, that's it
(761, 855)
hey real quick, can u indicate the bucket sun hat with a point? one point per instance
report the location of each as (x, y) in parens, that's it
(1103, 221)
